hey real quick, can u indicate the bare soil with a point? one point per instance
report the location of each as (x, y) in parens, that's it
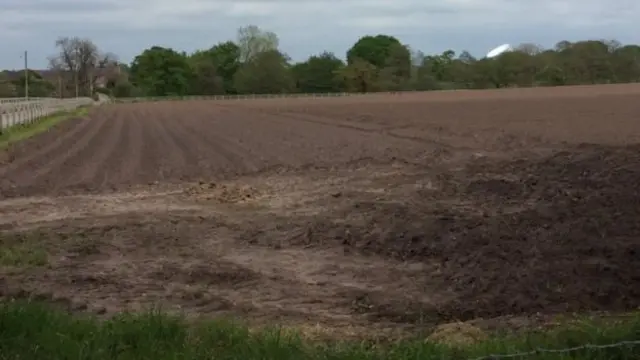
(368, 214)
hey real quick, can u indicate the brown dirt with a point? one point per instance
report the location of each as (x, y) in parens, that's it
(367, 214)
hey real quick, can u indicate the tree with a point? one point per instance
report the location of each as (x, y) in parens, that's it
(77, 62)
(374, 63)
(462, 69)
(124, 89)
(390, 62)
(587, 62)
(225, 60)
(160, 71)
(319, 74)
(205, 79)
(7, 89)
(268, 72)
(396, 71)
(515, 68)
(253, 41)
(552, 72)
(360, 76)
(530, 49)
(38, 87)
(626, 63)
(441, 66)
(376, 50)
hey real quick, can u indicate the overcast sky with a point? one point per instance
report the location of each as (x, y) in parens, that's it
(305, 27)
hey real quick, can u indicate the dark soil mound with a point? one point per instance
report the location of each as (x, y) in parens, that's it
(553, 235)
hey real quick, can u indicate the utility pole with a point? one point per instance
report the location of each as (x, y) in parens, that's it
(91, 81)
(75, 77)
(76, 67)
(26, 77)
(60, 90)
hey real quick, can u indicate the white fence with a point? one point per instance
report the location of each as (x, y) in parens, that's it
(17, 111)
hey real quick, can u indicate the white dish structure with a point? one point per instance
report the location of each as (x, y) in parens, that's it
(499, 50)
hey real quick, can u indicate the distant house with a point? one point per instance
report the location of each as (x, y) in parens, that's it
(101, 77)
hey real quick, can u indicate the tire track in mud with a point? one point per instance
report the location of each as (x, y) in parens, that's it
(318, 142)
(344, 124)
(461, 142)
(385, 131)
(34, 158)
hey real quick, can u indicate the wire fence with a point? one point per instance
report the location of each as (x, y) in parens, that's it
(241, 97)
(608, 89)
(567, 351)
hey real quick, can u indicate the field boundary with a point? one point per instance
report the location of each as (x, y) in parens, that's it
(341, 94)
(21, 111)
(562, 351)
(21, 132)
(238, 97)
(160, 335)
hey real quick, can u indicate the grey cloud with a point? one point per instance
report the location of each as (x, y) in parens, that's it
(56, 6)
(308, 26)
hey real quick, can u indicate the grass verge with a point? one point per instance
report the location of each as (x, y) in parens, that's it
(36, 331)
(21, 250)
(21, 132)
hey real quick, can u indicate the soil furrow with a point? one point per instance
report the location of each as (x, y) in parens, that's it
(107, 176)
(135, 139)
(232, 156)
(155, 150)
(182, 138)
(66, 162)
(101, 154)
(35, 152)
(173, 158)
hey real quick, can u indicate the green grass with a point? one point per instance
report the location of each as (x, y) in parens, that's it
(22, 251)
(35, 331)
(22, 256)
(21, 132)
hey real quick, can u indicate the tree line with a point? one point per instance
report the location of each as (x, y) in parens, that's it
(255, 64)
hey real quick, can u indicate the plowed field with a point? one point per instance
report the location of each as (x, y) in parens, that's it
(362, 214)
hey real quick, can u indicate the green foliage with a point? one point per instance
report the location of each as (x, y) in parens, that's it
(7, 89)
(375, 49)
(38, 87)
(319, 74)
(160, 71)
(252, 41)
(254, 64)
(360, 76)
(34, 331)
(226, 57)
(267, 73)
(214, 69)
